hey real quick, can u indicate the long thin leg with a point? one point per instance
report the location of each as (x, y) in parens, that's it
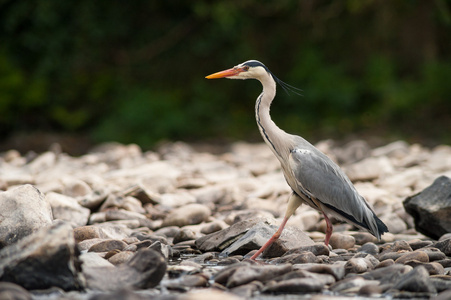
(329, 229)
(293, 202)
(272, 239)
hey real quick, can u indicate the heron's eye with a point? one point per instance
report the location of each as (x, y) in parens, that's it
(246, 68)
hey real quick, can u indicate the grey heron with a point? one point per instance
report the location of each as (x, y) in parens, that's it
(313, 177)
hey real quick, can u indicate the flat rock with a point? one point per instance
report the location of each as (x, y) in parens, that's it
(107, 245)
(46, 258)
(24, 210)
(294, 285)
(431, 208)
(144, 270)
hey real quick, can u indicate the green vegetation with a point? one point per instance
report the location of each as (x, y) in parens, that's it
(134, 71)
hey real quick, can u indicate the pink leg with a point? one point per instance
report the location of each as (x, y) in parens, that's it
(272, 239)
(329, 229)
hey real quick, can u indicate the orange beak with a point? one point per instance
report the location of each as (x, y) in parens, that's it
(225, 73)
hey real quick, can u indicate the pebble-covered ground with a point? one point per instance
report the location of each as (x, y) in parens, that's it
(181, 223)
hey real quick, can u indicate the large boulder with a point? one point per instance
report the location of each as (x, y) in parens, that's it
(431, 208)
(47, 258)
(24, 210)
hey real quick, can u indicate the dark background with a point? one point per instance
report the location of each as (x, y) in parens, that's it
(84, 72)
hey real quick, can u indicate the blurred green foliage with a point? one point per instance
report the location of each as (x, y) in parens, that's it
(134, 71)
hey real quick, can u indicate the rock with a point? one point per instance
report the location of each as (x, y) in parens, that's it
(88, 232)
(431, 208)
(394, 223)
(362, 238)
(369, 248)
(296, 258)
(144, 270)
(121, 257)
(341, 241)
(348, 283)
(316, 249)
(241, 274)
(416, 280)
(11, 291)
(187, 215)
(46, 258)
(444, 246)
(324, 279)
(369, 168)
(418, 255)
(259, 234)
(208, 294)
(67, 209)
(336, 269)
(433, 268)
(295, 285)
(445, 295)
(185, 234)
(92, 259)
(74, 187)
(24, 210)
(108, 245)
(357, 265)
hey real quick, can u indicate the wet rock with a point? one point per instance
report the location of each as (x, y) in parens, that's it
(11, 291)
(187, 215)
(144, 270)
(349, 283)
(46, 258)
(341, 241)
(67, 208)
(431, 208)
(108, 245)
(416, 280)
(324, 279)
(24, 210)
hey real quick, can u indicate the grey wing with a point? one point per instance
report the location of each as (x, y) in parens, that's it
(318, 177)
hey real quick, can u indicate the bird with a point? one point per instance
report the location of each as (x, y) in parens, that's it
(313, 177)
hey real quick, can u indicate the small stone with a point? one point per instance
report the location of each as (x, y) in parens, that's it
(348, 283)
(296, 258)
(325, 279)
(418, 255)
(417, 244)
(74, 187)
(357, 265)
(433, 268)
(369, 248)
(385, 263)
(445, 295)
(88, 232)
(341, 241)
(370, 290)
(364, 237)
(121, 257)
(336, 269)
(185, 234)
(295, 285)
(317, 249)
(187, 215)
(108, 245)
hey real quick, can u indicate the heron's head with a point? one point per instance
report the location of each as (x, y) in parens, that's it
(249, 69)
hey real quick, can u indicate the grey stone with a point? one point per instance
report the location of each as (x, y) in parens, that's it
(416, 280)
(107, 245)
(295, 285)
(246, 274)
(431, 208)
(187, 215)
(341, 241)
(444, 246)
(336, 269)
(47, 258)
(24, 210)
(67, 208)
(369, 248)
(144, 270)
